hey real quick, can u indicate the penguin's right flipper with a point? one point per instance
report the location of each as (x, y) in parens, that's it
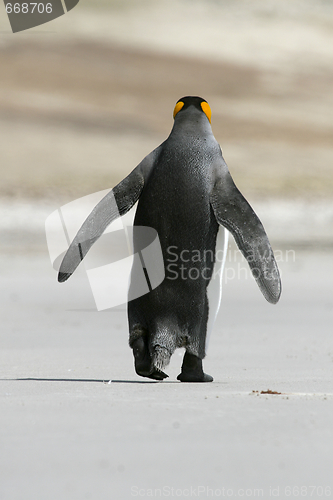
(234, 213)
(116, 203)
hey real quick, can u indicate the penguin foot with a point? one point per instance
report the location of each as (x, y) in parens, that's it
(154, 373)
(142, 362)
(189, 377)
(157, 375)
(192, 370)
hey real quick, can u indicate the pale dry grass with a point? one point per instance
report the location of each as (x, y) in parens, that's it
(79, 110)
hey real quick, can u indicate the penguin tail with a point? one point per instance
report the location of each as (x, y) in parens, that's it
(161, 357)
(163, 345)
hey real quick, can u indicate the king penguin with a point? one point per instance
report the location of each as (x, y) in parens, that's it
(186, 193)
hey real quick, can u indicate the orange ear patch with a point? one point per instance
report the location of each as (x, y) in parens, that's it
(206, 109)
(178, 107)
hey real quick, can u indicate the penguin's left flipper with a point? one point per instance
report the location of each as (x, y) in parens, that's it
(116, 203)
(234, 213)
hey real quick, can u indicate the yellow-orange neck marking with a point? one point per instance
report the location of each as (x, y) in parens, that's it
(178, 107)
(206, 109)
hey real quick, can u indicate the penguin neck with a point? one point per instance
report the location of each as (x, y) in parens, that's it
(195, 126)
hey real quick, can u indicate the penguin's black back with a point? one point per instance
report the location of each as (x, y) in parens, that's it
(175, 202)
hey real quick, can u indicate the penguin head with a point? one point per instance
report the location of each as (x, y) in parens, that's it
(195, 102)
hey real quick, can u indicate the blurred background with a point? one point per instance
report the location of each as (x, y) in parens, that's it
(84, 98)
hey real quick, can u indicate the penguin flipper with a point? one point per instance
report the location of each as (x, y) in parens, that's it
(116, 203)
(234, 213)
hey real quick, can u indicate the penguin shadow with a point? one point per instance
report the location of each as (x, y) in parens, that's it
(101, 381)
(145, 381)
(40, 379)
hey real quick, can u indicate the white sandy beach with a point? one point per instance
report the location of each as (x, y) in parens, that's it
(68, 432)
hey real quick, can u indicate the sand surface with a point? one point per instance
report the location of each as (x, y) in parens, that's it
(68, 432)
